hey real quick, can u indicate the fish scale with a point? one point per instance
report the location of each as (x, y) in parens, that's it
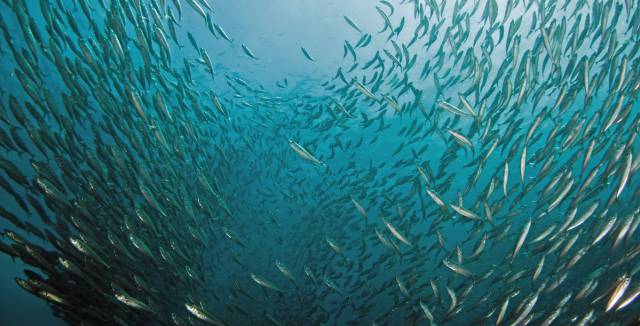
(177, 184)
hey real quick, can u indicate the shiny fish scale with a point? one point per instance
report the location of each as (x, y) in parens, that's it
(171, 189)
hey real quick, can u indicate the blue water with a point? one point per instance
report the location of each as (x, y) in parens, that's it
(287, 209)
(257, 24)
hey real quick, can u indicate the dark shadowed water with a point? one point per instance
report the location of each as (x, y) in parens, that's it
(295, 162)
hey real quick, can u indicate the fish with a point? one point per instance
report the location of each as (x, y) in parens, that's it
(455, 110)
(330, 284)
(461, 139)
(302, 152)
(131, 302)
(627, 301)
(436, 199)
(265, 283)
(523, 163)
(352, 24)
(307, 55)
(621, 287)
(625, 174)
(503, 310)
(360, 209)
(457, 269)
(232, 236)
(366, 92)
(198, 8)
(396, 233)
(222, 32)
(199, 313)
(146, 174)
(427, 312)
(248, 52)
(285, 271)
(505, 178)
(402, 287)
(521, 239)
(464, 212)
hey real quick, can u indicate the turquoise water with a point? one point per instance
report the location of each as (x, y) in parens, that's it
(295, 162)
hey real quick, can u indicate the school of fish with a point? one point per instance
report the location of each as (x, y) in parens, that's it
(470, 163)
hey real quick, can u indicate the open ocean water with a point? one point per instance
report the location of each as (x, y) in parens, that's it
(288, 162)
